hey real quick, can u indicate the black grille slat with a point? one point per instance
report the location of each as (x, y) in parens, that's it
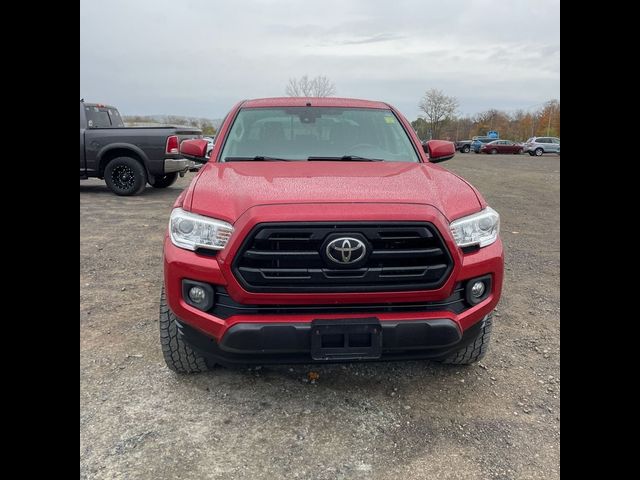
(275, 253)
(226, 307)
(412, 253)
(290, 258)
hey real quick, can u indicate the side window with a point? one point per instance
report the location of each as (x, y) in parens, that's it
(556, 141)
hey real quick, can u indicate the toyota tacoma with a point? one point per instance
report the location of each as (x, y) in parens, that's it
(321, 230)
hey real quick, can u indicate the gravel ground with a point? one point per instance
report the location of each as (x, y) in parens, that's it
(499, 419)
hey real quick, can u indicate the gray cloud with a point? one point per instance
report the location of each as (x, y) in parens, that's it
(196, 57)
(381, 37)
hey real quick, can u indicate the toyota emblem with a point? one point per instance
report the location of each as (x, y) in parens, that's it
(346, 250)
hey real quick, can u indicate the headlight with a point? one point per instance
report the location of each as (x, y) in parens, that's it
(480, 229)
(193, 231)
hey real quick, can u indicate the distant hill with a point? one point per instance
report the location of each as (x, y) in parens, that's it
(209, 126)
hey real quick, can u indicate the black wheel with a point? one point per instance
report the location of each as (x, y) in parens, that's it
(493, 151)
(466, 149)
(178, 356)
(538, 152)
(476, 349)
(125, 176)
(164, 181)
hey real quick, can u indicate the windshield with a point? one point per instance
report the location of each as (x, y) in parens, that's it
(322, 133)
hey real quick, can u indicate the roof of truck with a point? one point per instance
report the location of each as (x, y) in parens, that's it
(314, 101)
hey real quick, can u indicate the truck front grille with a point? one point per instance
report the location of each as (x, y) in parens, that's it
(296, 257)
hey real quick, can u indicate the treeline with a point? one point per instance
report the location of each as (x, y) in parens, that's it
(207, 125)
(517, 126)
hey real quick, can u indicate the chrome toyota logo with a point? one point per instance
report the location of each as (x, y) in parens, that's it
(346, 250)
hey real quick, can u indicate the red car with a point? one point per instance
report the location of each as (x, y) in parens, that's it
(320, 230)
(501, 146)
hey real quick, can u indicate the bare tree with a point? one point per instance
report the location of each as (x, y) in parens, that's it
(319, 86)
(438, 110)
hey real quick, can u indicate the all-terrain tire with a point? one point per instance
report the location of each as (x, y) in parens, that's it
(476, 349)
(125, 176)
(164, 181)
(178, 356)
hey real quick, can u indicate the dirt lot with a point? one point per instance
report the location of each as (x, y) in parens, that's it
(413, 420)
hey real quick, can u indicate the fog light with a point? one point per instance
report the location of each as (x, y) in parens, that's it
(198, 295)
(477, 290)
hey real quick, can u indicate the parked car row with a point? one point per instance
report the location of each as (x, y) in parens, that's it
(533, 146)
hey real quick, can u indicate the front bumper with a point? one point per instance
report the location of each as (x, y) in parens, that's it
(288, 343)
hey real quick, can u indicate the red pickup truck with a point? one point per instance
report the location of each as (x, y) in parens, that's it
(321, 230)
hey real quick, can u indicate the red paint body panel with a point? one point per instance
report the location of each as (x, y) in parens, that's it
(247, 193)
(233, 188)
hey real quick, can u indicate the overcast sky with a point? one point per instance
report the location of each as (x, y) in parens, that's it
(198, 57)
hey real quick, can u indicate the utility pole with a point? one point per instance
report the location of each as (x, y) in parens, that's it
(549, 123)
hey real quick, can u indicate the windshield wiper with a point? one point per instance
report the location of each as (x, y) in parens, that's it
(344, 158)
(258, 158)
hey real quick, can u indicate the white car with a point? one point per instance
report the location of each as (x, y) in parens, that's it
(539, 145)
(211, 141)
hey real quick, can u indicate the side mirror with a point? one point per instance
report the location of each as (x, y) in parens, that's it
(439, 150)
(195, 149)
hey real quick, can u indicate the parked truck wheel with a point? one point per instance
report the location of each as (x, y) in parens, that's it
(164, 181)
(466, 149)
(476, 349)
(125, 176)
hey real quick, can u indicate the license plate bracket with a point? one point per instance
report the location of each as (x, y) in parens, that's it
(346, 339)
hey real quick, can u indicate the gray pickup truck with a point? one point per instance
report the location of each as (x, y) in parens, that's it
(128, 158)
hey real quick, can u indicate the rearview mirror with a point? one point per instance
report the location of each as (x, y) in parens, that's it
(195, 149)
(439, 150)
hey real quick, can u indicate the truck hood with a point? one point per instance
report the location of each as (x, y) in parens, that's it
(227, 190)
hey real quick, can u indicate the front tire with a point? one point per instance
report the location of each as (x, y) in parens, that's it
(125, 176)
(539, 152)
(165, 180)
(494, 151)
(178, 356)
(476, 349)
(466, 149)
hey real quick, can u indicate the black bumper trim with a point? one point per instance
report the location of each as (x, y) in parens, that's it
(282, 343)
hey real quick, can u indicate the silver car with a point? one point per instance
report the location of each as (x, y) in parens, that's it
(539, 145)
